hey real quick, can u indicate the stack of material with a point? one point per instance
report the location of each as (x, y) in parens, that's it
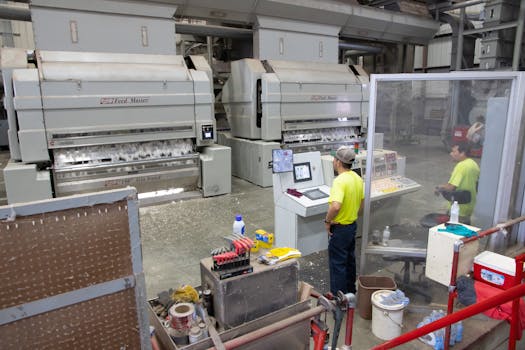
(410, 6)
(497, 46)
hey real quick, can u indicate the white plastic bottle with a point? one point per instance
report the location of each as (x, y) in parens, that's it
(454, 213)
(238, 225)
(386, 235)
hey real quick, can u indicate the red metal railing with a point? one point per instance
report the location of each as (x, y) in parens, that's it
(512, 294)
(515, 326)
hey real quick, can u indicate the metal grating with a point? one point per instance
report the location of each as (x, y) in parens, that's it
(108, 322)
(57, 252)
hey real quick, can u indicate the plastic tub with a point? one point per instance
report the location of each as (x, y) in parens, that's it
(366, 286)
(387, 320)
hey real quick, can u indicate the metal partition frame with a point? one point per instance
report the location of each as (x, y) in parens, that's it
(510, 141)
(74, 290)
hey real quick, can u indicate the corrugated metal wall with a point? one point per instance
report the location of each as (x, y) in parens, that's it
(440, 48)
(440, 52)
(23, 34)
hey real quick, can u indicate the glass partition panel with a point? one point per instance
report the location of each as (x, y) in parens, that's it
(518, 190)
(416, 126)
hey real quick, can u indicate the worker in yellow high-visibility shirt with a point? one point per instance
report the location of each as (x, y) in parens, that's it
(345, 202)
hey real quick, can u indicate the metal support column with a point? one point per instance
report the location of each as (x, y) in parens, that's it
(459, 49)
(519, 37)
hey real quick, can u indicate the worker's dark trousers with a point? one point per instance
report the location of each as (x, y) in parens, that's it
(341, 255)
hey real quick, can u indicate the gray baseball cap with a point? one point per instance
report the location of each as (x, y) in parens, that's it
(345, 154)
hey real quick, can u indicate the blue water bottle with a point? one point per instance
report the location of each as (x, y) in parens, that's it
(459, 332)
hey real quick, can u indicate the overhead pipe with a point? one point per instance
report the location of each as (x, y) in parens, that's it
(15, 13)
(360, 47)
(212, 30)
(357, 53)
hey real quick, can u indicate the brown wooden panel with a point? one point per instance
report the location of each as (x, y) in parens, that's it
(57, 252)
(108, 322)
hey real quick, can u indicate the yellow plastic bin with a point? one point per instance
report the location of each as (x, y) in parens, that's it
(366, 286)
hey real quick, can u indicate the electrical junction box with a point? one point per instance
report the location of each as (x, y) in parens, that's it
(440, 252)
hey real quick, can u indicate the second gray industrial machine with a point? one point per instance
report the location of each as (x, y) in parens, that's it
(304, 106)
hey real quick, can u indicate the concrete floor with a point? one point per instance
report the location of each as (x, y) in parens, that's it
(177, 235)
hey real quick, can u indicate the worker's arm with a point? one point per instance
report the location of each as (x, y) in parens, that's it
(445, 187)
(333, 209)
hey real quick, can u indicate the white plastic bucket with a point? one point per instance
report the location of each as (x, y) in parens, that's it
(387, 320)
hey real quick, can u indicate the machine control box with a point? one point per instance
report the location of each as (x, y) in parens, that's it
(207, 132)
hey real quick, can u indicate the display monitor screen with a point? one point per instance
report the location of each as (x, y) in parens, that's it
(315, 194)
(302, 172)
(282, 160)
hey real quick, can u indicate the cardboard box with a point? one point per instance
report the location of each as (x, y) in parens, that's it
(495, 269)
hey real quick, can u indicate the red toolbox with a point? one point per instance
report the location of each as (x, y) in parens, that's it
(459, 134)
(495, 269)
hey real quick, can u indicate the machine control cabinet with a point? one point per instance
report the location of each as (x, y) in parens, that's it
(301, 202)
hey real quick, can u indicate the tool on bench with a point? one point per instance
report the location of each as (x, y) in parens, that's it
(235, 260)
(276, 255)
(263, 240)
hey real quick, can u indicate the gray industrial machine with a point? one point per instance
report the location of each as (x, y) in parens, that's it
(82, 120)
(304, 106)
